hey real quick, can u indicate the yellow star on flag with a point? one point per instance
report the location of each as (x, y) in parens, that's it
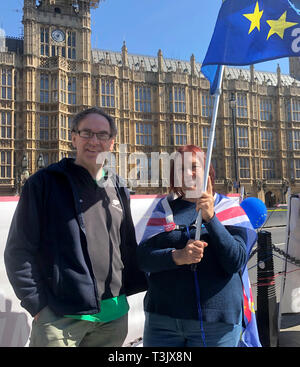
(279, 26)
(254, 18)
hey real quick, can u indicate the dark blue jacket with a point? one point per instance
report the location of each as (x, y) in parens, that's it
(172, 289)
(46, 255)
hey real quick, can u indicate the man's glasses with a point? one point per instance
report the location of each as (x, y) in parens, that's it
(88, 134)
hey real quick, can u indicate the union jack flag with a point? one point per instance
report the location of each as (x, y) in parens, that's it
(229, 212)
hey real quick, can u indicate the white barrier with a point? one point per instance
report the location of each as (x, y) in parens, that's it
(290, 285)
(15, 322)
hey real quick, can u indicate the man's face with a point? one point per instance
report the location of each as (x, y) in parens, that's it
(89, 148)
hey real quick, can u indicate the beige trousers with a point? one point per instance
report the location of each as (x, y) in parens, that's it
(51, 330)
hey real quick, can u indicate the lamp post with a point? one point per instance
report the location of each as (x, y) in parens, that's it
(232, 103)
(23, 174)
(24, 163)
(40, 161)
(285, 187)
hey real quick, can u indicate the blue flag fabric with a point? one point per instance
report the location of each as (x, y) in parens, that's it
(252, 31)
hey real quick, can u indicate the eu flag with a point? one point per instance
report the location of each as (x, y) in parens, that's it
(252, 31)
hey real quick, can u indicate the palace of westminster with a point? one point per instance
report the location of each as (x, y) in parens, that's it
(158, 104)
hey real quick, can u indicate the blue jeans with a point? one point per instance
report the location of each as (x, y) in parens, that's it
(165, 331)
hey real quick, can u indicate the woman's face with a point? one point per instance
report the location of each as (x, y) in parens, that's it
(190, 166)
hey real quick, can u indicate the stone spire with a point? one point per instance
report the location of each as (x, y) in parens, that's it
(160, 60)
(124, 54)
(193, 64)
(278, 76)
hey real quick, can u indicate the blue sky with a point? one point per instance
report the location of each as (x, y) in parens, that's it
(177, 27)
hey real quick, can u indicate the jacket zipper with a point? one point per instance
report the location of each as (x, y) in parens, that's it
(82, 228)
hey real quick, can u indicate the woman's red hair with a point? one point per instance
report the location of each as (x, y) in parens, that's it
(192, 149)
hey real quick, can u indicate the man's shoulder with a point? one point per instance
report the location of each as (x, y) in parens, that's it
(61, 166)
(45, 174)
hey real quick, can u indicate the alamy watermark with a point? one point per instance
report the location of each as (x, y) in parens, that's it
(139, 169)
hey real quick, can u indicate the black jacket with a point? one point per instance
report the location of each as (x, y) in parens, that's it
(46, 255)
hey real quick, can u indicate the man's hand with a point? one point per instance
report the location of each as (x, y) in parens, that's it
(192, 253)
(36, 316)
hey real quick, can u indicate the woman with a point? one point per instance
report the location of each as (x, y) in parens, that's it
(202, 304)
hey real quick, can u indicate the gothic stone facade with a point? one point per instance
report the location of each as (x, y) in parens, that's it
(158, 104)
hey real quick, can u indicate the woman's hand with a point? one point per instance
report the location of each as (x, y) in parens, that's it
(192, 253)
(206, 203)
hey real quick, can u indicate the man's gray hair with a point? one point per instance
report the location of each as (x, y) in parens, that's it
(82, 115)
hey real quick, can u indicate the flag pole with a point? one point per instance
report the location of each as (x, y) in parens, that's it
(210, 146)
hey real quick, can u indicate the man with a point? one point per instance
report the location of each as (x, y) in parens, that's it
(70, 254)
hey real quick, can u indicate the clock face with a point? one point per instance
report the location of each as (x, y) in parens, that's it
(58, 35)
